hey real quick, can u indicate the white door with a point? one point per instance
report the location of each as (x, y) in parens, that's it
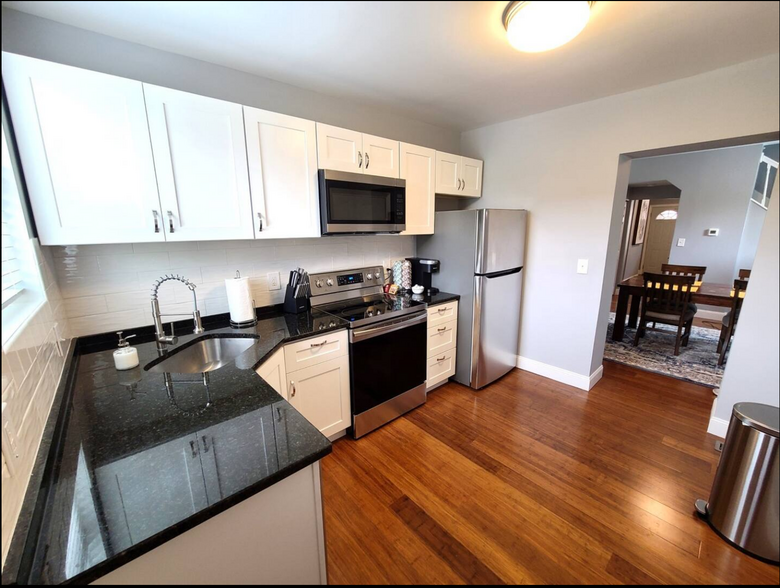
(448, 173)
(321, 394)
(85, 150)
(471, 175)
(200, 156)
(339, 149)
(273, 372)
(660, 234)
(282, 152)
(380, 156)
(418, 168)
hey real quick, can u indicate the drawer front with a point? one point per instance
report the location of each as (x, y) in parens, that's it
(443, 313)
(440, 367)
(302, 354)
(442, 337)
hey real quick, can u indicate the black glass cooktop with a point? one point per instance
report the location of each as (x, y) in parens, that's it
(374, 308)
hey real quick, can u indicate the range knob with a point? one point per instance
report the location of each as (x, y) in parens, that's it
(377, 275)
(369, 276)
(329, 282)
(318, 283)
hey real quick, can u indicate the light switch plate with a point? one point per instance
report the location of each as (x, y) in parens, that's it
(273, 281)
(681, 242)
(582, 266)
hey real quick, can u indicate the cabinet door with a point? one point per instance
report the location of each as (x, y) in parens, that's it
(282, 152)
(321, 394)
(85, 150)
(448, 174)
(200, 156)
(381, 157)
(339, 149)
(418, 168)
(472, 177)
(273, 372)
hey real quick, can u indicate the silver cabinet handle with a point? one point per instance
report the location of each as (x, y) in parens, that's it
(441, 329)
(319, 344)
(444, 309)
(459, 184)
(170, 221)
(360, 159)
(205, 444)
(367, 160)
(463, 184)
(292, 386)
(192, 448)
(260, 221)
(156, 221)
(441, 358)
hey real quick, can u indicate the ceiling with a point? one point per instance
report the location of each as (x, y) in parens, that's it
(447, 63)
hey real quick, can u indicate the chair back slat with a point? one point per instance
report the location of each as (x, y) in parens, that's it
(744, 274)
(697, 271)
(740, 285)
(667, 294)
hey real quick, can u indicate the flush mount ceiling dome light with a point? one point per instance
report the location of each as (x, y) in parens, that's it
(543, 25)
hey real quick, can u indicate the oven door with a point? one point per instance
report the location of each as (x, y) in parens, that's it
(388, 368)
(357, 203)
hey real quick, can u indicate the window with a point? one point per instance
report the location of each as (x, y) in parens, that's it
(765, 180)
(22, 289)
(667, 215)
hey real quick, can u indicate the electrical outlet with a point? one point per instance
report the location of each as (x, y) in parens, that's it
(680, 242)
(582, 266)
(273, 281)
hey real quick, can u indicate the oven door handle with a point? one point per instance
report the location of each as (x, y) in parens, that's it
(369, 333)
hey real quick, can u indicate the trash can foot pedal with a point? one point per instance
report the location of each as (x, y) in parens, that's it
(701, 508)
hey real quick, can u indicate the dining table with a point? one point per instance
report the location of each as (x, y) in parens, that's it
(632, 288)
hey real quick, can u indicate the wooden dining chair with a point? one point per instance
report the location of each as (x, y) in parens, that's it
(697, 271)
(729, 322)
(744, 274)
(666, 299)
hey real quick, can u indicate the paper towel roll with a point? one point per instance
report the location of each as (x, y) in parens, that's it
(239, 297)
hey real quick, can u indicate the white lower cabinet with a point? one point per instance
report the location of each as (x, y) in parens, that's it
(313, 376)
(442, 343)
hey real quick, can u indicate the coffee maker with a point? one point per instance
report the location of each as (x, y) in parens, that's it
(422, 270)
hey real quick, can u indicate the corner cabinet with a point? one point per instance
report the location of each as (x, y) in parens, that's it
(350, 151)
(282, 153)
(84, 145)
(418, 168)
(458, 176)
(200, 158)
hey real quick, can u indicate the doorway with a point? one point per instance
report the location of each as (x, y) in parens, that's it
(660, 233)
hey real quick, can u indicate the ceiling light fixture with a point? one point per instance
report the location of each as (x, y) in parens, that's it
(543, 25)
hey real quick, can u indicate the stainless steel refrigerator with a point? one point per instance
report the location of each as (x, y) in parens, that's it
(482, 253)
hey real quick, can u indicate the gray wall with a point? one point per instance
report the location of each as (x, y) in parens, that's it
(752, 373)
(45, 39)
(716, 187)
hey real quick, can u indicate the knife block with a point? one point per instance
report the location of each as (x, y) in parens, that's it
(295, 305)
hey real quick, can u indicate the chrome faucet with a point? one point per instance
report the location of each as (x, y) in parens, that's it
(159, 329)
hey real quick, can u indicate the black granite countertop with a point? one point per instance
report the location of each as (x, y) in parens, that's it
(139, 457)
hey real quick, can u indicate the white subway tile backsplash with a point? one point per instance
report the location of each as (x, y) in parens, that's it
(134, 262)
(167, 246)
(81, 250)
(198, 258)
(85, 305)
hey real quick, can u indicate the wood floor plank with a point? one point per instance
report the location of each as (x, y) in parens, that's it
(532, 481)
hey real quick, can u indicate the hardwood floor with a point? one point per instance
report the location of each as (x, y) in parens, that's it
(532, 481)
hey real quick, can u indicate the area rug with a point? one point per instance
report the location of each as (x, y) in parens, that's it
(696, 363)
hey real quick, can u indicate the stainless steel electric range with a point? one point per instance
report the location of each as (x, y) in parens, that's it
(387, 344)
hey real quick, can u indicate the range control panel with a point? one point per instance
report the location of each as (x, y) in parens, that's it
(330, 282)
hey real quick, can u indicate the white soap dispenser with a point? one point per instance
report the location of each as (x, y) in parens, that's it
(126, 357)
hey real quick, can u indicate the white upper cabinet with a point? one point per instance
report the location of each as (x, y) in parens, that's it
(418, 168)
(200, 157)
(84, 145)
(472, 177)
(282, 153)
(458, 176)
(339, 149)
(344, 150)
(381, 157)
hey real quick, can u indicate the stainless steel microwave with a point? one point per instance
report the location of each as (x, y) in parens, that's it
(359, 203)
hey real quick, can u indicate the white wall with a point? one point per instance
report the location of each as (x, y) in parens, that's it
(562, 166)
(45, 39)
(106, 287)
(748, 246)
(716, 187)
(33, 360)
(752, 372)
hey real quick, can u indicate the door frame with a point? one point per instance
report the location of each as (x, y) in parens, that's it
(647, 229)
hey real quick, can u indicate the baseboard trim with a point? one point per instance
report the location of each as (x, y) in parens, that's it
(710, 315)
(717, 427)
(559, 374)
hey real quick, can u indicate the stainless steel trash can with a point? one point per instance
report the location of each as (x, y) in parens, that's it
(744, 505)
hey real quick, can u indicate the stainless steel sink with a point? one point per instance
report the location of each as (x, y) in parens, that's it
(205, 355)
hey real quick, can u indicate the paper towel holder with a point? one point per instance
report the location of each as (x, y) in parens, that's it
(251, 322)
